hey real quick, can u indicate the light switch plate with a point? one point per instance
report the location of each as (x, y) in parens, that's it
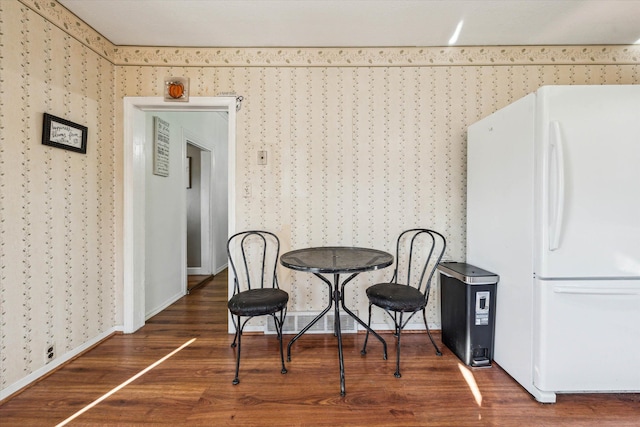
(262, 157)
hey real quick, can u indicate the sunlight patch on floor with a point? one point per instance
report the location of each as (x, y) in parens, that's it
(124, 384)
(471, 382)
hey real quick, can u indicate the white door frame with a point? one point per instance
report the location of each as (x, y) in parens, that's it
(134, 191)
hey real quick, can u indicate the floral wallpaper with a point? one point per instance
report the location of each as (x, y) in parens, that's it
(57, 207)
(361, 144)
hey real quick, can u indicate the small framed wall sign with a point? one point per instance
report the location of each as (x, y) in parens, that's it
(62, 133)
(161, 140)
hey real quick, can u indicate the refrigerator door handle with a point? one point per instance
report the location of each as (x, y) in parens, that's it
(555, 142)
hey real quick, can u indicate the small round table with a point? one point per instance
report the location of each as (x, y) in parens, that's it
(336, 260)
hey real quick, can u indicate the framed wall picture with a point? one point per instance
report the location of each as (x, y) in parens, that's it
(61, 133)
(161, 139)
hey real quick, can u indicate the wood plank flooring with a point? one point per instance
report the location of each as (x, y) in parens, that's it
(196, 280)
(193, 387)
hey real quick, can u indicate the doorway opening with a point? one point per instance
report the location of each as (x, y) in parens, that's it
(199, 241)
(201, 165)
(138, 225)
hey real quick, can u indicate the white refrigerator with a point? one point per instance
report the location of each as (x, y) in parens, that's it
(553, 208)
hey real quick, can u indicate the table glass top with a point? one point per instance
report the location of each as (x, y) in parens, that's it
(336, 259)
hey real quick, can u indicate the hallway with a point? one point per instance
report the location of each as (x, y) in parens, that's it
(196, 280)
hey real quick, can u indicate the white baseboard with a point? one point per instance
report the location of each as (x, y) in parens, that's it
(296, 321)
(221, 268)
(201, 271)
(51, 366)
(410, 327)
(197, 271)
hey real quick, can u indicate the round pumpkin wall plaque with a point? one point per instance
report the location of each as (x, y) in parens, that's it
(176, 90)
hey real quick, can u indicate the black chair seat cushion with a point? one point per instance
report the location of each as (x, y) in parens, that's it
(396, 297)
(257, 302)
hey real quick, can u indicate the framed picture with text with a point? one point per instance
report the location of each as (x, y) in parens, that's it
(161, 147)
(61, 133)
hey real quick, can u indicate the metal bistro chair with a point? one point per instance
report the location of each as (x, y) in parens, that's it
(418, 253)
(255, 295)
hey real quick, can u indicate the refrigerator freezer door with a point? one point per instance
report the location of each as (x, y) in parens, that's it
(589, 151)
(587, 336)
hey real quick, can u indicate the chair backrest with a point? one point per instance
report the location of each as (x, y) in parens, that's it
(418, 253)
(253, 256)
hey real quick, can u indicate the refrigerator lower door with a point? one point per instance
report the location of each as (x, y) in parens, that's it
(587, 337)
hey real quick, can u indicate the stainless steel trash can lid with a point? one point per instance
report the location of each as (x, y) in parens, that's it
(467, 273)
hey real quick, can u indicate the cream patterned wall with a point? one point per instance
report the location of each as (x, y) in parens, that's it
(358, 153)
(57, 207)
(361, 144)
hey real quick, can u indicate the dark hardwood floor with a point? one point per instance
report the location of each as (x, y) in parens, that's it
(193, 386)
(196, 280)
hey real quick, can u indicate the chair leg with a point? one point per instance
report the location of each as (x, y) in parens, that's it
(235, 337)
(424, 316)
(398, 333)
(236, 380)
(398, 325)
(366, 337)
(279, 325)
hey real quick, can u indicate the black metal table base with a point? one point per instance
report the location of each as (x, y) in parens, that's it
(336, 260)
(336, 291)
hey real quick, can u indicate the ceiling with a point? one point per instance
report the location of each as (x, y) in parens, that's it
(360, 23)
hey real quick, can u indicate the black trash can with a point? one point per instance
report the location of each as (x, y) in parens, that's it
(468, 308)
